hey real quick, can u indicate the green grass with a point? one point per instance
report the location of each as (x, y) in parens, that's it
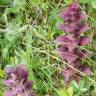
(28, 29)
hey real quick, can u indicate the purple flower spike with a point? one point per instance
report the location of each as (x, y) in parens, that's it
(74, 25)
(18, 81)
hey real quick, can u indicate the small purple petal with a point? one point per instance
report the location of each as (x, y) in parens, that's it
(67, 56)
(84, 40)
(83, 29)
(9, 82)
(9, 70)
(81, 16)
(67, 73)
(74, 6)
(22, 73)
(28, 84)
(65, 14)
(72, 26)
(68, 41)
(19, 90)
(69, 28)
(65, 39)
(88, 71)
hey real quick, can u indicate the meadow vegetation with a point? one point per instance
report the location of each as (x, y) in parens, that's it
(28, 29)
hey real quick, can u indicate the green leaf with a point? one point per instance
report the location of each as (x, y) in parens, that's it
(94, 41)
(1, 73)
(68, 1)
(16, 6)
(75, 84)
(93, 4)
(70, 91)
(62, 92)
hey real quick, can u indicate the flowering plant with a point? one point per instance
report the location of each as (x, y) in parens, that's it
(74, 26)
(17, 81)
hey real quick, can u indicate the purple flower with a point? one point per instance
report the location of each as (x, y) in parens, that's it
(74, 25)
(17, 81)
